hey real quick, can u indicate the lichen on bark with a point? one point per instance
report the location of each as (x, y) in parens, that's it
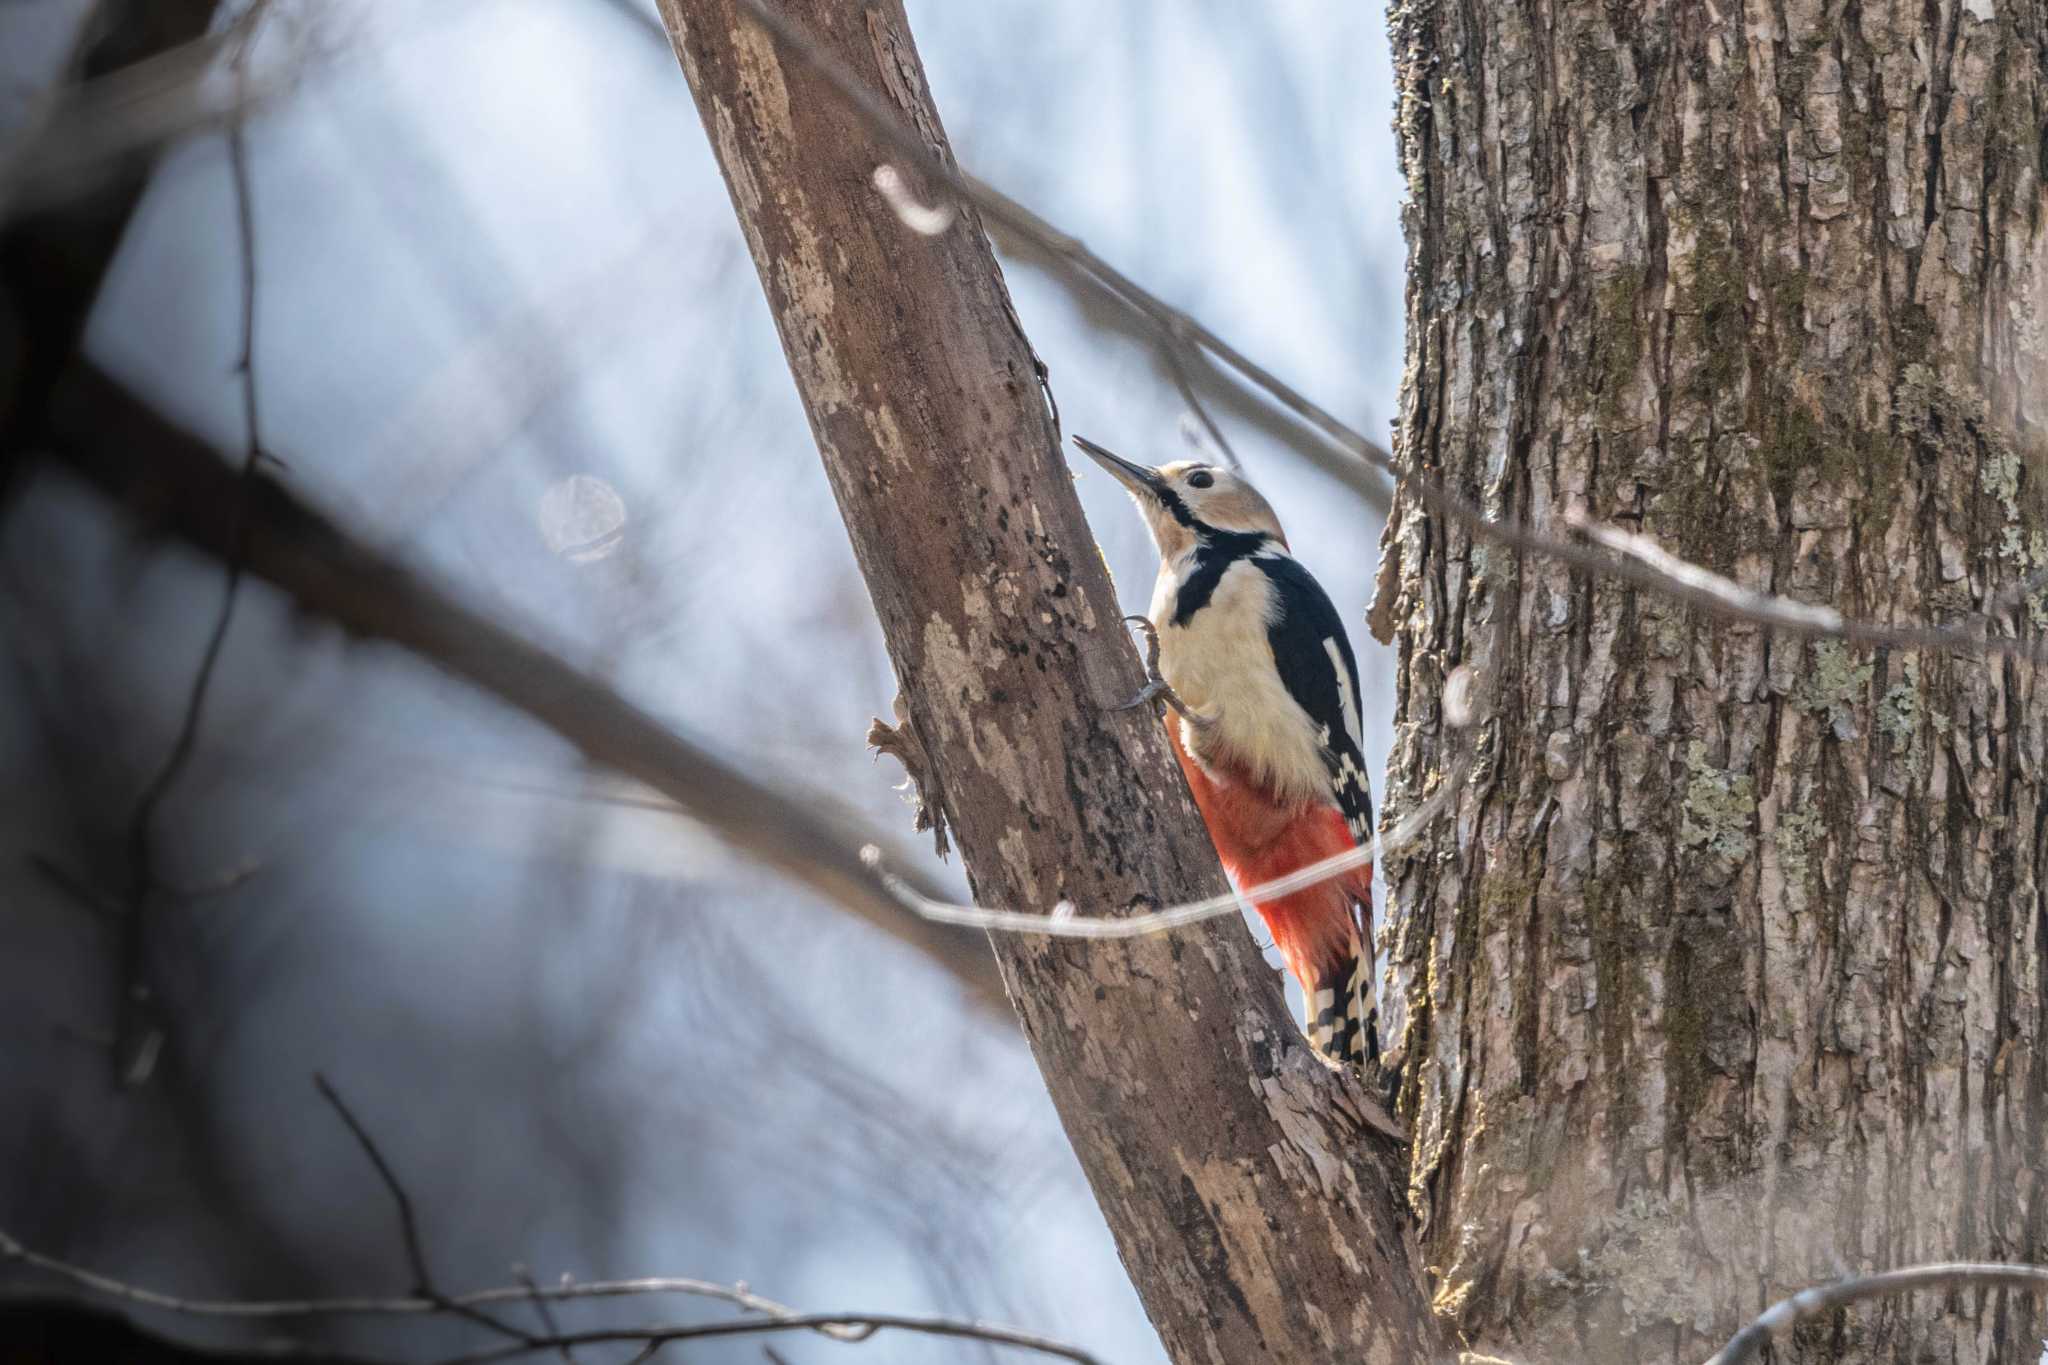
(1727, 973)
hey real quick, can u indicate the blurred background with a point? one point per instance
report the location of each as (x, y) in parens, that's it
(507, 329)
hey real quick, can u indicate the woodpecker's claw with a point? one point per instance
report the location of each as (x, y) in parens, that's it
(1157, 687)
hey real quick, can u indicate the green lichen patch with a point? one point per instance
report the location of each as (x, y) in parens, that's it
(1836, 686)
(1898, 710)
(1795, 837)
(1719, 807)
(2000, 477)
(1951, 418)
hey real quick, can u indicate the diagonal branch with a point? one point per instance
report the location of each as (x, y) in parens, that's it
(137, 457)
(52, 260)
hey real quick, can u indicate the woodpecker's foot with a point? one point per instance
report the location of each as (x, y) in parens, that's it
(1156, 686)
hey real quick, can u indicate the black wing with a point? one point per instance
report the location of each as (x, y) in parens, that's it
(1321, 675)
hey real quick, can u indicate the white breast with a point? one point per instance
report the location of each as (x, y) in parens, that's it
(1221, 664)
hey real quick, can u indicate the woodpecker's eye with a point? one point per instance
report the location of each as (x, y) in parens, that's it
(1201, 478)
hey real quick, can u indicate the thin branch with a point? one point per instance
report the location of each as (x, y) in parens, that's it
(544, 1311)
(139, 1035)
(400, 1306)
(231, 880)
(1809, 1303)
(76, 887)
(773, 1316)
(1341, 450)
(408, 1223)
(91, 129)
(1064, 922)
(862, 1325)
(1174, 352)
(1649, 563)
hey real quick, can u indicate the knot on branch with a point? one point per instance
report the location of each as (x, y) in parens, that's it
(920, 786)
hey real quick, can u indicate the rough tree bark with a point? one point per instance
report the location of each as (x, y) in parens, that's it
(1257, 1211)
(1727, 974)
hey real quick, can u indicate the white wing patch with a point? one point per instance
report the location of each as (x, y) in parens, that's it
(1344, 692)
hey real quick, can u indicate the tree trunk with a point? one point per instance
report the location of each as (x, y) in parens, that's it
(1726, 975)
(1256, 1211)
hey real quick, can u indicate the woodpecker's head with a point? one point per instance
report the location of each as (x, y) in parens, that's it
(1188, 501)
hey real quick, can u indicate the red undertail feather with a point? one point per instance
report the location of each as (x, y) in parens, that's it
(1319, 929)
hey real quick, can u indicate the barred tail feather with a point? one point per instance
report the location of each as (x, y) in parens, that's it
(1321, 933)
(1340, 1019)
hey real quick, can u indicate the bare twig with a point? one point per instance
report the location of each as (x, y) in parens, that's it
(91, 128)
(408, 1223)
(1826, 1298)
(772, 1316)
(373, 1306)
(545, 1312)
(861, 1325)
(76, 887)
(1174, 352)
(1064, 922)
(139, 1035)
(231, 880)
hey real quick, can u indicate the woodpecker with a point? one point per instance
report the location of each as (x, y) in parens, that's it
(1251, 643)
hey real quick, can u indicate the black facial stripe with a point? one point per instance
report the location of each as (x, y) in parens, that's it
(1215, 551)
(1180, 511)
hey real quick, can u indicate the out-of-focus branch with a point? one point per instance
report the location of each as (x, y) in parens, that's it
(1826, 1298)
(174, 481)
(52, 260)
(93, 130)
(766, 1315)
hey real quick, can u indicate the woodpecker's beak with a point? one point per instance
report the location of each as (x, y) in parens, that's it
(1136, 477)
